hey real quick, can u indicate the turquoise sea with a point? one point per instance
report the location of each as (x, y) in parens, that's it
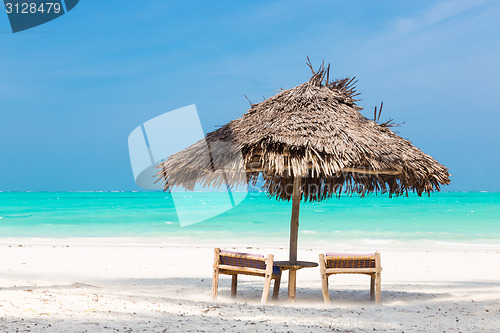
(455, 217)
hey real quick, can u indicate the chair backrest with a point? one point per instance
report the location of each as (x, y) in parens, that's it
(349, 260)
(238, 259)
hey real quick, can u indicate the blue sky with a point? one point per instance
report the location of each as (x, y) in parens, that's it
(73, 89)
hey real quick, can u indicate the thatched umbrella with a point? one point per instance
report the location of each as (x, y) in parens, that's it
(309, 142)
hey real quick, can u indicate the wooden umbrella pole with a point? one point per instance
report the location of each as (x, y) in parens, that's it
(294, 233)
(294, 223)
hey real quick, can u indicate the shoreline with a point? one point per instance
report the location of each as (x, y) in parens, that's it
(347, 245)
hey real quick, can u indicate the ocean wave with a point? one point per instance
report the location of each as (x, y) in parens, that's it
(21, 216)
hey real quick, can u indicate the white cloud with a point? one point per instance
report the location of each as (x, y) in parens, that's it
(442, 11)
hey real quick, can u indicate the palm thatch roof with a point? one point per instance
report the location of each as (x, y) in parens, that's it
(314, 131)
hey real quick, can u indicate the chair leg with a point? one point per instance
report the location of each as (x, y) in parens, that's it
(276, 289)
(324, 278)
(267, 286)
(378, 289)
(215, 284)
(234, 285)
(372, 287)
(324, 286)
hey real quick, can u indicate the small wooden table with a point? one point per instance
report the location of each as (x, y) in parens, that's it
(292, 277)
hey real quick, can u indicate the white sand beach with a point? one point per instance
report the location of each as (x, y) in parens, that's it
(134, 285)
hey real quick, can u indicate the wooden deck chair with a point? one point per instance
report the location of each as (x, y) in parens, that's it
(234, 263)
(347, 263)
